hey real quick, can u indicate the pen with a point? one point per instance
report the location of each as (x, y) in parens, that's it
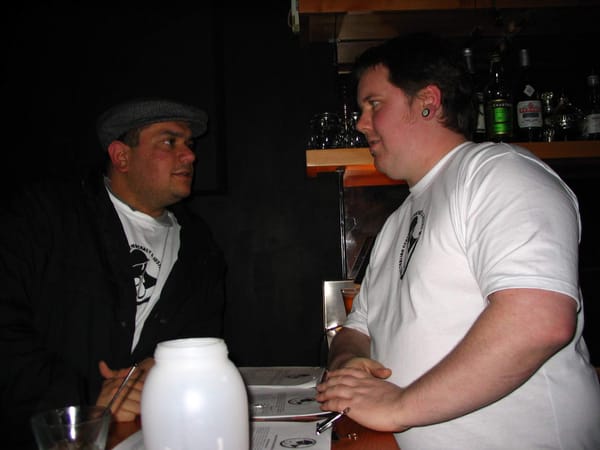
(121, 387)
(326, 424)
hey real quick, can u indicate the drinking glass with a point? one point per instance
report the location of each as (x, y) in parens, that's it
(72, 427)
(354, 138)
(325, 131)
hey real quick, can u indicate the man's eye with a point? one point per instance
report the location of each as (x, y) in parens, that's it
(374, 103)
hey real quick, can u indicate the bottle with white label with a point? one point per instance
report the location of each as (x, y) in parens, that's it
(528, 106)
(194, 398)
(591, 119)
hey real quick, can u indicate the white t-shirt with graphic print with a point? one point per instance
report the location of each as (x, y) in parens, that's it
(153, 247)
(487, 217)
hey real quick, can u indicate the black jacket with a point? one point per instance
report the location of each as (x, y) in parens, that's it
(67, 297)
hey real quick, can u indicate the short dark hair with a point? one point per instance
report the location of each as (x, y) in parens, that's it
(131, 138)
(416, 60)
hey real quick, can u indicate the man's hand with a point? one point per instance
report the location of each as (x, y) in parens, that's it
(373, 402)
(128, 405)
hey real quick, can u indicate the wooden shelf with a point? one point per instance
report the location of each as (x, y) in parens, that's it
(355, 25)
(360, 171)
(340, 6)
(357, 164)
(337, 6)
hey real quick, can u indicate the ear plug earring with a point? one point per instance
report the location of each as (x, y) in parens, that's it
(425, 112)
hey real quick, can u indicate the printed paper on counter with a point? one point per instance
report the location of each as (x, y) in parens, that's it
(282, 376)
(285, 435)
(291, 403)
(265, 436)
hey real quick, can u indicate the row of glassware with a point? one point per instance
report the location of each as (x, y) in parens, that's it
(333, 130)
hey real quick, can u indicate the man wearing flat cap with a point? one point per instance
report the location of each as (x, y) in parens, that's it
(96, 273)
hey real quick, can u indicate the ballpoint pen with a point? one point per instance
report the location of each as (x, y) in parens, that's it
(121, 387)
(326, 424)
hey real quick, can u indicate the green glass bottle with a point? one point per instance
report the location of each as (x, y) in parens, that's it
(498, 103)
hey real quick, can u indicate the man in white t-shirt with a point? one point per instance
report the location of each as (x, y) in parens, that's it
(149, 143)
(467, 331)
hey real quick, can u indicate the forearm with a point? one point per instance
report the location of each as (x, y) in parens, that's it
(346, 345)
(502, 350)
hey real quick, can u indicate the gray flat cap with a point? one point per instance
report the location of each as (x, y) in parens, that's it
(123, 117)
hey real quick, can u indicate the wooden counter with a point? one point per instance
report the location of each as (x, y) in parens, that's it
(352, 436)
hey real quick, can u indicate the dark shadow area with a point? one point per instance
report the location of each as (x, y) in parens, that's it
(261, 85)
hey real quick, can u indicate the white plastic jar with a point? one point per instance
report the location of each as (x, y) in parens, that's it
(194, 398)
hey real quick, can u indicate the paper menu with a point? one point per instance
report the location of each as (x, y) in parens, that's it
(282, 376)
(292, 403)
(284, 435)
(265, 436)
(283, 392)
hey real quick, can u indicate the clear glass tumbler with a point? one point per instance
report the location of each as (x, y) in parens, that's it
(72, 427)
(325, 131)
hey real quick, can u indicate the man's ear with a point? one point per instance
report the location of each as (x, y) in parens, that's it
(430, 98)
(119, 155)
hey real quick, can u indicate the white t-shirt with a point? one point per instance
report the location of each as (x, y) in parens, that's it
(487, 217)
(153, 247)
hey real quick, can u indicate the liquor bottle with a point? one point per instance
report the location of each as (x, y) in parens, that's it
(498, 103)
(591, 119)
(479, 134)
(528, 105)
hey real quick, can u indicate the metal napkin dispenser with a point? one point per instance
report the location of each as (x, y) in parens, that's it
(334, 313)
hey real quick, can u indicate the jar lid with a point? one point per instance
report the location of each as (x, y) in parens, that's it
(190, 348)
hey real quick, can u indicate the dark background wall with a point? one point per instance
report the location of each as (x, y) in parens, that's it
(260, 84)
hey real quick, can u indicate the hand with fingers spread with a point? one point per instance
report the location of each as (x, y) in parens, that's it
(127, 407)
(372, 401)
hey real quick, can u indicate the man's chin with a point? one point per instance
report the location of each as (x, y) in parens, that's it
(388, 173)
(184, 194)
(181, 193)
(379, 167)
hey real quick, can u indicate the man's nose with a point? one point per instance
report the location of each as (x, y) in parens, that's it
(187, 154)
(363, 123)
